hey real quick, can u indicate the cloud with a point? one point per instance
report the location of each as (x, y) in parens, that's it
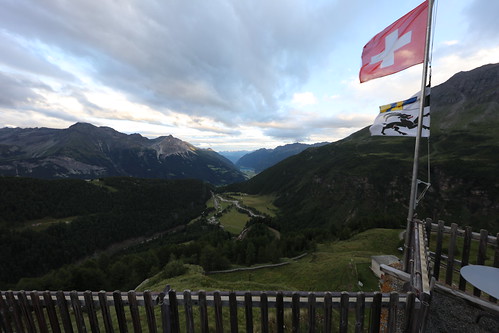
(231, 61)
(306, 98)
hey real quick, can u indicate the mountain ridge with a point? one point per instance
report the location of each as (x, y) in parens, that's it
(264, 158)
(87, 151)
(363, 181)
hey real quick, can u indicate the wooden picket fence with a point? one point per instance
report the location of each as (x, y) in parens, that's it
(216, 311)
(208, 311)
(453, 248)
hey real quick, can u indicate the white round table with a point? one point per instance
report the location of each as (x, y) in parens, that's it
(485, 278)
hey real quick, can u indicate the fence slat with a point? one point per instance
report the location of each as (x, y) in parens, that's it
(106, 315)
(328, 312)
(360, 308)
(5, 317)
(438, 250)
(248, 312)
(64, 311)
(409, 311)
(392, 312)
(76, 306)
(311, 312)
(233, 312)
(119, 308)
(279, 303)
(149, 306)
(482, 253)
(295, 312)
(496, 263)
(92, 317)
(218, 312)
(375, 313)
(134, 311)
(16, 311)
(189, 319)
(26, 311)
(264, 312)
(203, 312)
(344, 312)
(39, 315)
(175, 320)
(466, 256)
(450, 254)
(52, 314)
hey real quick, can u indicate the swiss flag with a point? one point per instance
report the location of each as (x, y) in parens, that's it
(399, 46)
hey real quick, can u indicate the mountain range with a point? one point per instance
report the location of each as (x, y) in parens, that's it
(263, 158)
(364, 181)
(86, 151)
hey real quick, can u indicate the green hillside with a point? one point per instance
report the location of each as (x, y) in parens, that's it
(362, 182)
(334, 266)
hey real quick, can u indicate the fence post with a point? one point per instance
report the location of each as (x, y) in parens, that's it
(52, 314)
(279, 304)
(466, 255)
(134, 311)
(89, 303)
(438, 250)
(374, 325)
(496, 263)
(482, 252)
(26, 311)
(40, 317)
(173, 313)
(203, 312)
(233, 312)
(218, 312)
(63, 308)
(149, 306)
(450, 255)
(344, 300)
(311, 312)
(295, 312)
(76, 305)
(264, 309)
(106, 315)
(189, 319)
(360, 308)
(328, 307)
(120, 311)
(5, 318)
(248, 311)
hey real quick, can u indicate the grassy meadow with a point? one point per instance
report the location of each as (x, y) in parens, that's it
(335, 266)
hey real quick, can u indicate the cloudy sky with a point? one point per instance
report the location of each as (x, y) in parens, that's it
(220, 74)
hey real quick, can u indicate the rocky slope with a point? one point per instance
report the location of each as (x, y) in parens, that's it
(86, 151)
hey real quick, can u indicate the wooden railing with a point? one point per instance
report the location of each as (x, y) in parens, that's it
(201, 311)
(270, 311)
(453, 248)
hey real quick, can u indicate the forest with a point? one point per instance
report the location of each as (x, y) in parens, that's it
(70, 255)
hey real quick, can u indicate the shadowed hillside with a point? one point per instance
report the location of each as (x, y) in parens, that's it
(363, 181)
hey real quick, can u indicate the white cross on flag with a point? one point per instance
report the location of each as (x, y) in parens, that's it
(399, 46)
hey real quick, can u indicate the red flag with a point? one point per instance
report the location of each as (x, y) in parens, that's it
(399, 46)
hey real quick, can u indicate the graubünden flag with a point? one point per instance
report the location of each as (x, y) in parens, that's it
(399, 46)
(401, 118)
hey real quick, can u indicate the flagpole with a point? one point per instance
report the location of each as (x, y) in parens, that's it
(414, 183)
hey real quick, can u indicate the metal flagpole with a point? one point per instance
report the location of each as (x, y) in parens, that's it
(414, 185)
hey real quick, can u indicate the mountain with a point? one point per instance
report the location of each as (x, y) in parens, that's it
(363, 181)
(86, 151)
(261, 159)
(234, 156)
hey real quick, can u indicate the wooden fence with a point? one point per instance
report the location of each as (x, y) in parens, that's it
(255, 311)
(453, 248)
(209, 312)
